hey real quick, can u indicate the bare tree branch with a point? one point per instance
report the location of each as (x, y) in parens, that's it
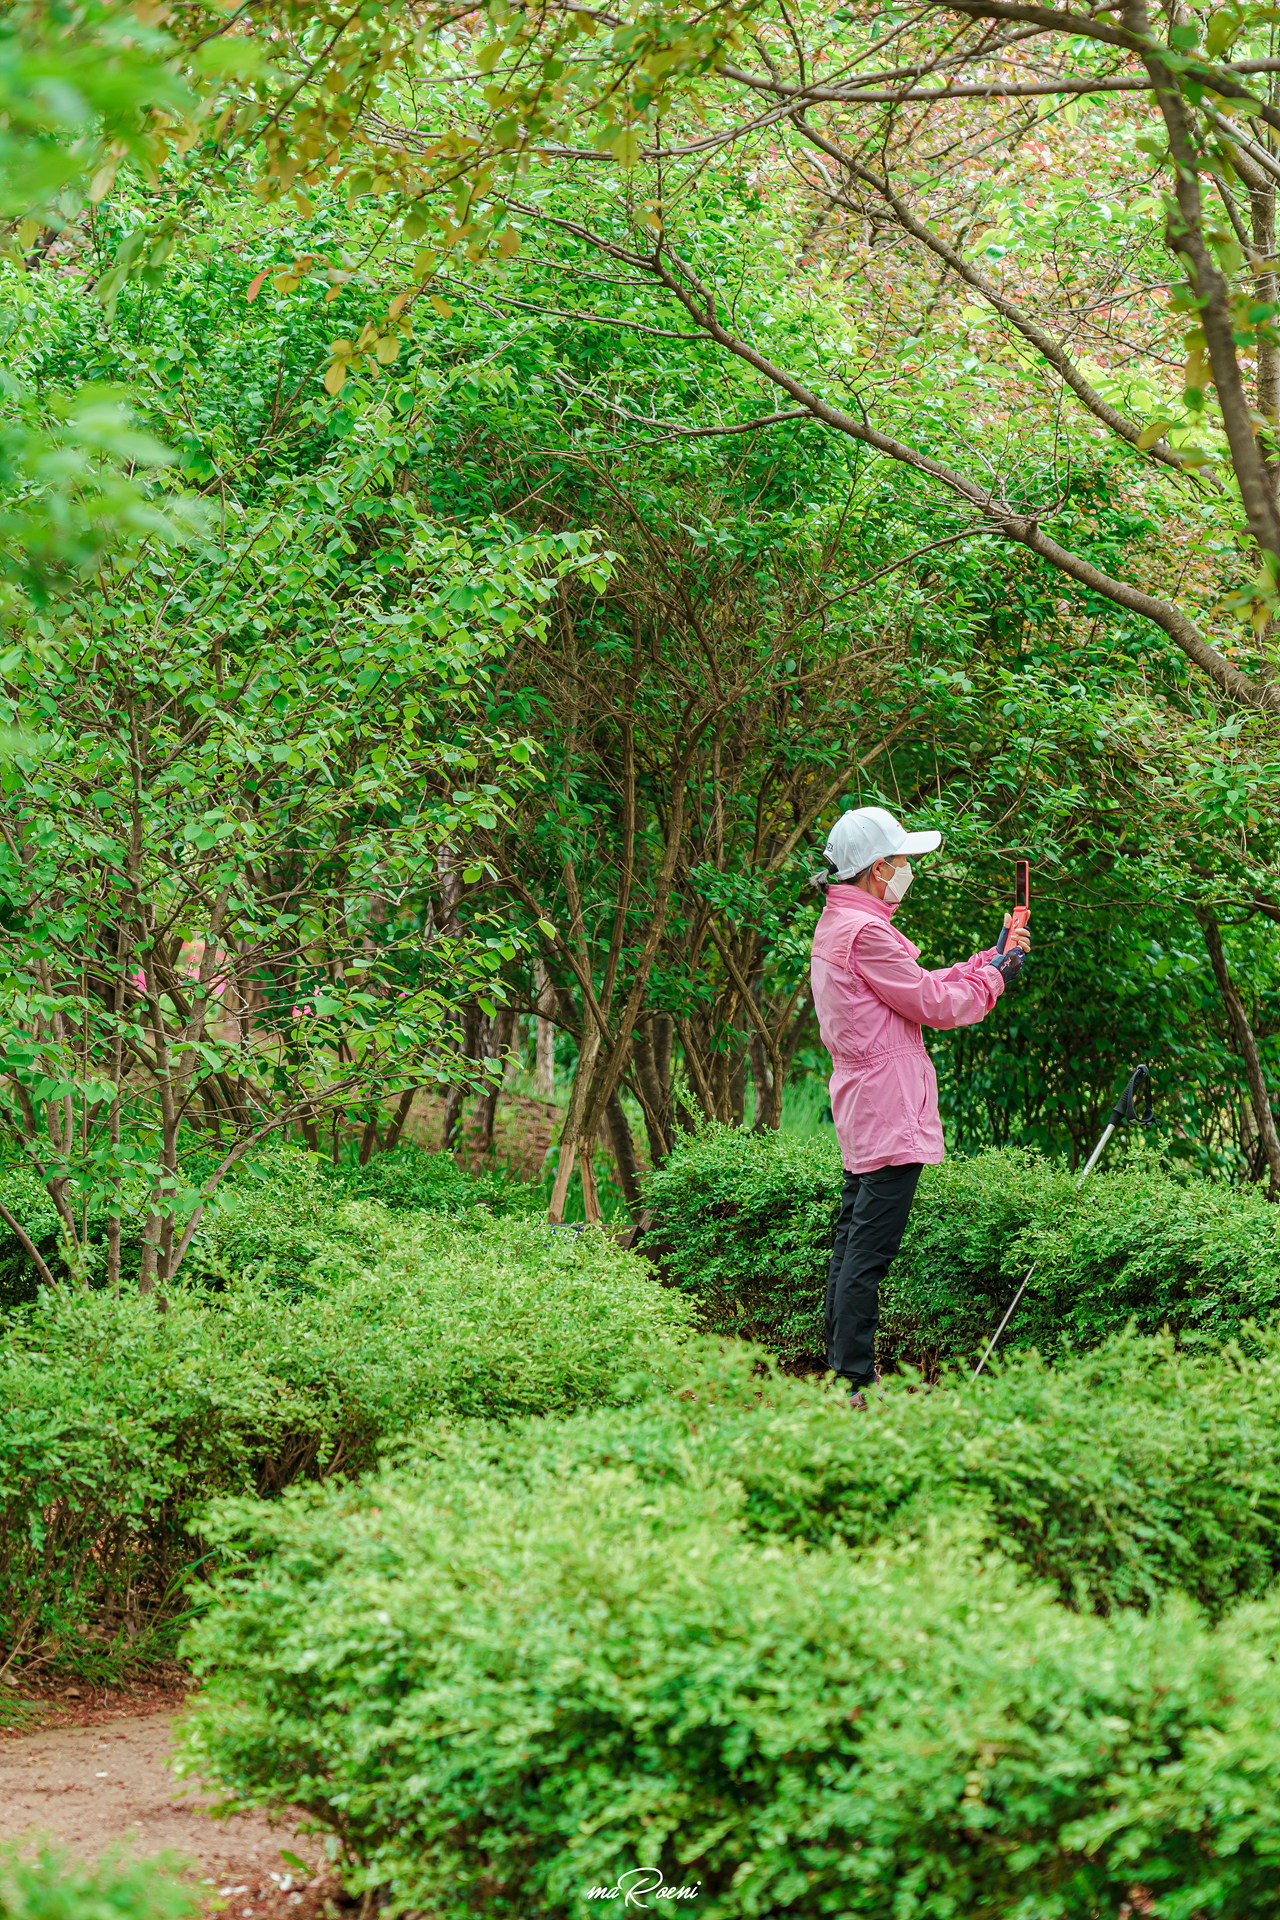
(678, 279)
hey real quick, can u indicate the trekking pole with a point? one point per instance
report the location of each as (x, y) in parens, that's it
(1123, 1110)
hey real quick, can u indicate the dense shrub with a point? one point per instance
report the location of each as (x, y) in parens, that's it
(744, 1222)
(413, 1179)
(118, 1422)
(277, 1213)
(52, 1888)
(504, 1678)
(283, 1220)
(1118, 1475)
(31, 1206)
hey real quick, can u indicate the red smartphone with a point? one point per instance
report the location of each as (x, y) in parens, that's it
(1021, 895)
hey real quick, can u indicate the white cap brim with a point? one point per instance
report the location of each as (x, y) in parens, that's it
(921, 843)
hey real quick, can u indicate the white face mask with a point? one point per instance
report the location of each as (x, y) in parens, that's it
(897, 887)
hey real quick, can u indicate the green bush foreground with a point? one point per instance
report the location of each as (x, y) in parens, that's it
(606, 1596)
(743, 1222)
(54, 1888)
(118, 1422)
(794, 1655)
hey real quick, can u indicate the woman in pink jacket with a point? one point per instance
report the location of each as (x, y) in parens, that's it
(872, 999)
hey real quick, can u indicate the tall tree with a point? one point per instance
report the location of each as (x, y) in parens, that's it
(244, 756)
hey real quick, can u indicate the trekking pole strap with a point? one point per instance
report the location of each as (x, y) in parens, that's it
(1124, 1109)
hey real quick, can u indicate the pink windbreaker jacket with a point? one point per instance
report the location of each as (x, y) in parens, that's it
(872, 1000)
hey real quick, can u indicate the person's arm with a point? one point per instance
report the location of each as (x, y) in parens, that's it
(957, 996)
(961, 967)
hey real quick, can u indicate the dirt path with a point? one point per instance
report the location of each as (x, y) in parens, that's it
(91, 1788)
(523, 1130)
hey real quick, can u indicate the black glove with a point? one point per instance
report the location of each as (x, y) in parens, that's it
(1009, 964)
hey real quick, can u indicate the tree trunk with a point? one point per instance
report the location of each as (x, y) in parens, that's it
(1258, 1095)
(652, 1103)
(150, 1254)
(736, 1087)
(544, 1071)
(624, 1152)
(500, 1046)
(762, 1076)
(697, 1061)
(789, 1044)
(651, 1058)
(401, 1114)
(453, 1105)
(769, 1108)
(371, 1139)
(572, 1146)
(29, 1246)
(113, 1220)
(1262, 208)
(590, 1198)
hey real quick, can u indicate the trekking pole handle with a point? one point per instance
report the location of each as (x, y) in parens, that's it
(1124, 1108)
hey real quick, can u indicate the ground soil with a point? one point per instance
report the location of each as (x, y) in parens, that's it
(523, 1129)
(95, 1775)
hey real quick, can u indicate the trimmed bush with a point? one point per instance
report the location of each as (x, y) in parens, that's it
(54, 1888)
(277, 1213)
(1119, 1475)
(117, 1423)
(504, 1687)
(744, 1223)
(412, 1179)
(285, 1221)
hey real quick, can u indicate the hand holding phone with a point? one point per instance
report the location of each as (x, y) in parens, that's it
(1022, 904)
(1009, 964)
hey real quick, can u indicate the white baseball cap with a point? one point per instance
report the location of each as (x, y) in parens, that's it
(867, 834)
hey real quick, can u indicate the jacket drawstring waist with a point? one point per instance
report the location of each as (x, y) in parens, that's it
(870, 1055)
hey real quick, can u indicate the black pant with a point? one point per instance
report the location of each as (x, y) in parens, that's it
(873, 1219)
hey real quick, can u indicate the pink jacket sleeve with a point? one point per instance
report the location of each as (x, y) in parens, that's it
(957, 996)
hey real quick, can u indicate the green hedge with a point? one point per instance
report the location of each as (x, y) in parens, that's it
(414, 1179)
(1174, 1490)
(277, 1212)
(519, 1667)
(117, 1423)
(54, 1888)
(291, 1217)
(744, 1221)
